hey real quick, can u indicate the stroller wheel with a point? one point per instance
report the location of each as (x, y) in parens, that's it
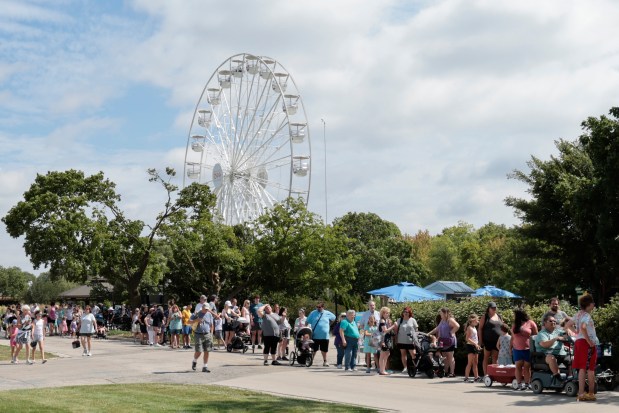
(229, 348)
(293, 358)
(412, 371)
(245, 348)
(309, 360)
(430, 373)
(488, 381)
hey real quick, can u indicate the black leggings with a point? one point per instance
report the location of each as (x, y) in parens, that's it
(270, 344)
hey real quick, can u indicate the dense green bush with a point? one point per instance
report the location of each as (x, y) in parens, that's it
(607, 328)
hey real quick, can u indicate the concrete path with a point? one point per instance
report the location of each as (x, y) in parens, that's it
(124, 362)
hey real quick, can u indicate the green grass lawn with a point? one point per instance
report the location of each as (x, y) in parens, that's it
(157, 398)
(120, 333)
(5, 353)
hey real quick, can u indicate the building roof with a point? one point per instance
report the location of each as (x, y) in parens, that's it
(449, 287)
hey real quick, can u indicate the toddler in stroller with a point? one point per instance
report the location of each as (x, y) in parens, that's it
(303, 353)
(101, 331)
(241, 340)
(427, 357)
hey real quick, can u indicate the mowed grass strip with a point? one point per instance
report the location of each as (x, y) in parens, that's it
(158, 398)
(5, 354)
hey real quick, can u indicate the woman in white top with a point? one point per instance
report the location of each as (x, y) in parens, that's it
(245, 314)
(301, 321)
(38, 335)
(88, 326)
(284, 331)
(24, 335)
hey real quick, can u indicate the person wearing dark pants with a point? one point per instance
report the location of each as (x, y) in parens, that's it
(270, 333)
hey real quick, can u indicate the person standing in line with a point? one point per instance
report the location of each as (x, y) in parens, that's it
(556, 312)
(370, 343)
(246, 315)
(270, 333)
(186, 315)
(585, 351)
(406, 330)
(51, 319)
(201, 303)
(337, 342)
(300, 322)
(446, 332)
(203, 337)
(472, 349)
(489, 330)
(135, 325)
(386, 328)
(522, 330)
(504, 344)
(256, 323)
(349, 333)
(175, 324)
(320, 321)
(284, 332)
(88, 327)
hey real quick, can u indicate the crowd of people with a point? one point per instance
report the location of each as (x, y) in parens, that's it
(375, 333)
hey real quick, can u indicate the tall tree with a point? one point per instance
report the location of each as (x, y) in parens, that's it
(74, 225)
(571, 217)
(44, 290)
(295, 253)
(382, 254)
(14, 282)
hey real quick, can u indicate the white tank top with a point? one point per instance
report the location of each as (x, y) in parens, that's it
(38, 327)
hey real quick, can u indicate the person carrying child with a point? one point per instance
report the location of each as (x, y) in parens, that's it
(472, 348)
(504, 345)
(585, 351)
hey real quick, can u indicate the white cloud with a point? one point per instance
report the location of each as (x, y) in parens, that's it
(427, 109)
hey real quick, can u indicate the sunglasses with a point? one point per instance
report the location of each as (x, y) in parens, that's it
(552, 321)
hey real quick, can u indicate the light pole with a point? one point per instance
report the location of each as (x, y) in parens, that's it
(324, 138)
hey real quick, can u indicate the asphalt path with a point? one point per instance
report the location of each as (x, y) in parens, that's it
(119, 362)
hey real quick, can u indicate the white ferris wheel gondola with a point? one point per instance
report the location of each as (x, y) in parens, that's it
(249, 138)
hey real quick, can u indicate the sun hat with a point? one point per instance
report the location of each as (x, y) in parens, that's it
(228, 303)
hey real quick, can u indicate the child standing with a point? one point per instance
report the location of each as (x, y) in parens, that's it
(504, 345)
(13, 340)
(472, 348)
(63, 326)
(218, 332)
(73, 328)
(370, 346)
(585, 352)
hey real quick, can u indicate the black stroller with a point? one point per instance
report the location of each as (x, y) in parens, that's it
(426, 358)
(303, 353)
(241, 340)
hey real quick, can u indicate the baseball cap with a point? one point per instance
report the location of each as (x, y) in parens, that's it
(228, 303)
(491, 304)
(14, 322)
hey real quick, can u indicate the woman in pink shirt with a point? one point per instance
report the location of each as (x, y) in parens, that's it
(522, 329)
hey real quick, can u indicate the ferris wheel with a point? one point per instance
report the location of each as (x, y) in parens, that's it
(249, 138)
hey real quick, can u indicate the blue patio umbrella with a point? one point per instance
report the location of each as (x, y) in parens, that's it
(492, 291)
(406, 292)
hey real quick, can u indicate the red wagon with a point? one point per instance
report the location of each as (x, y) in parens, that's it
(501, 374)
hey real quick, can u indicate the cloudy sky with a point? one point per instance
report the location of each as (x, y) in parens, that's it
(428, 104)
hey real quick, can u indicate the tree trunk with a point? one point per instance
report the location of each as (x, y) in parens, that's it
(134, 293)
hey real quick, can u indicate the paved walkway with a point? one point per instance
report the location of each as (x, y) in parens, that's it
(124, 362)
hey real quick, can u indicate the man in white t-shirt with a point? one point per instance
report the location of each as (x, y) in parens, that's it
(366, 315)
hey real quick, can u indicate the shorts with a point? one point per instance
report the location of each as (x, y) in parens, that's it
(522, 355)
(218, 335)
(471, 349)
(187, 330)
(585, 357)
(322, 344)
(175, 331)
(490, 345)
(256, 327)
(406, 347)
(270, 344)
(203, 343)
(37, 337)
(447, 350)
(143, 329)
(85, 334)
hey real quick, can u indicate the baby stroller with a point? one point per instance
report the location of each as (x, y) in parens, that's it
(303, 353)
(426, 359)
(241, 340)
(101, 331)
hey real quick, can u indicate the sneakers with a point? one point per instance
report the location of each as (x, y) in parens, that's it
(29, 361)
(205, 370)
(405, 371)
(84, 353)
(354, 369)
(339, 366)
(325, 364)
(89, 354)
(586, 397)
(266, 362)
(478, 380)
(368, 370)
(13, 360)
(285, 358)
(259, 347)
(193, 365)
(157, 345)
(276, 363)
(523, 386)
(467, 380)
(44, 361)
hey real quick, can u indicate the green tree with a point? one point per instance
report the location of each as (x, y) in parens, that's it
(73, 224)
(14, 282)
(44, 289)
(295, 252)
(571, 219)
(384, 257)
